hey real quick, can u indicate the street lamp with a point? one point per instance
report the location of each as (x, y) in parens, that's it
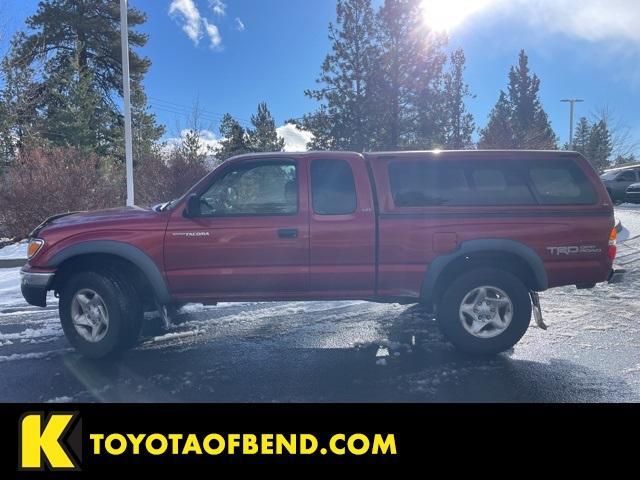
(126, 90)
(572, 102)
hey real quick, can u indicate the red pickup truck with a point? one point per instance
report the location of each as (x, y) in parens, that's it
(472, 235)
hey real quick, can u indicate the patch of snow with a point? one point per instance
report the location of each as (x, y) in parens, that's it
(630, 219)
(50, 329)
(194, 308)
(10, 287)
(382, 352)
(10, 294)
(173, 335)
(31, 355)
(600, 328)
(14, 251)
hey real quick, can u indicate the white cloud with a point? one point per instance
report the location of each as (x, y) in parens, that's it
(591, 20)
(213, 33)
(194, 24)
(240, 26)
(218, 7)
(295, 140)
(187, 12)
(208, 141)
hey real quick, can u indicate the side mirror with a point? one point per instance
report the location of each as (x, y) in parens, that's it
(193, 207)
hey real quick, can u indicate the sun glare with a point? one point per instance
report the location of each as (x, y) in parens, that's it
(446, 15)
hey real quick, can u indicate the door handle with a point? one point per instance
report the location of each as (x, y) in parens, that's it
(288, 233)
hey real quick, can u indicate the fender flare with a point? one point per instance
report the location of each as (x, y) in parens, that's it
(122, 250)
(439, 264)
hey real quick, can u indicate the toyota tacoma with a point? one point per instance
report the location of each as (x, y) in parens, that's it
(473, 236)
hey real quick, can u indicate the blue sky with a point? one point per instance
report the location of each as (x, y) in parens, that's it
(229, 55)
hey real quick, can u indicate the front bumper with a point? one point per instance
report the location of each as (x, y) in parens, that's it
(633, 197)
(34, 286)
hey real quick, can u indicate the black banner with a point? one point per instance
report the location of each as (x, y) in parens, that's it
(99, 440)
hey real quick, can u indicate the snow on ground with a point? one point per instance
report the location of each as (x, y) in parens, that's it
(13, 251)
(629, 216)
(10, 287)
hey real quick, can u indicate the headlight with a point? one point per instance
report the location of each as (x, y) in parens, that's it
(35, 244)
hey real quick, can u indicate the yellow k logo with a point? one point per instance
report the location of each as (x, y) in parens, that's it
(38, 442)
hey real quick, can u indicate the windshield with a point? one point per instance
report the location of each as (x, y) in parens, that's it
(609, 175)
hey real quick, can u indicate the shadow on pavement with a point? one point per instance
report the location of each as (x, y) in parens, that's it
(412, 363)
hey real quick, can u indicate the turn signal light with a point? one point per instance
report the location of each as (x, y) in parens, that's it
(613, 244)
(35, 244)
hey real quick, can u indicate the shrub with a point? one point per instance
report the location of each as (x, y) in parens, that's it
(43, 182)
(151, 177)
(184, 172)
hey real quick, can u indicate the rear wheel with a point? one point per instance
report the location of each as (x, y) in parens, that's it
(100, 313)
(485, 311)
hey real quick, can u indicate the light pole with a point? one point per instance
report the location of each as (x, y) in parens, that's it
(572, 102)
(126, 90)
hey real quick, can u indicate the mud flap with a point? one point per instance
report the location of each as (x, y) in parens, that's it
(537, 310)
(165, 315)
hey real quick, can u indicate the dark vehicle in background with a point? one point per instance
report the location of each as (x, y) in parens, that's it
(618, 180)
(472, 236)
(633, 193)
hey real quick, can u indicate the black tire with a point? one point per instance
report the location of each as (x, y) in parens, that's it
(134, 312)
(123, 308)
(451, 325)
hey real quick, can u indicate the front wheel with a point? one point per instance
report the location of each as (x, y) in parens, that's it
(99, 312)
(485, 311)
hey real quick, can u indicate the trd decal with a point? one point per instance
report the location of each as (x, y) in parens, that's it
(573, 250)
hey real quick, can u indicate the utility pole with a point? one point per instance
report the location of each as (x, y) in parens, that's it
(126, 88)
(572, 102)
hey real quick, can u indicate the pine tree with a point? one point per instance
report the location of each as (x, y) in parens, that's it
(145, 129)
(408, 80)
(599, 147)
(396, 67)
(75, 115)
(78, 41)
(518, 120)
(264, 137)
(529, 121)
(498, 133)
(581, 136)
(21, 98)
(192, 149)
(234, 139)
(343, 120)
(458, 124)
(6, 143)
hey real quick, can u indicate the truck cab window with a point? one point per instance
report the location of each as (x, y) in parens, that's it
(262, 189)
(332, 187)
